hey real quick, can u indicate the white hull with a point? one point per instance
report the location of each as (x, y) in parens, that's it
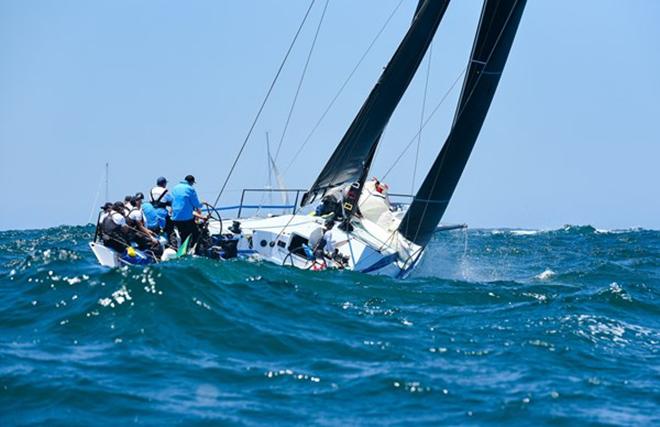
(373, 245)
(368, 248)
(106, 256)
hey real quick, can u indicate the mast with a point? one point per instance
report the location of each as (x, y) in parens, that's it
(352, 158)
(495, 34)
(106, 182)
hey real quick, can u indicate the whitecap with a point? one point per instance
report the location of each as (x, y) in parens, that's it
(73, 280)
(616, 289)
(618, 230)
(547, 274)
(524, 232)
(119, 296)
(597, 329)
(292, 374)
(538, 297)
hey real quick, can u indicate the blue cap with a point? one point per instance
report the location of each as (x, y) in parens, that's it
(161, 181)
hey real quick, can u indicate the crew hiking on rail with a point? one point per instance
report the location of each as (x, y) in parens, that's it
(150, 225)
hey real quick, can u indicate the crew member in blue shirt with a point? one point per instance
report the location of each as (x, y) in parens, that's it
(185, 207)
(156, 210)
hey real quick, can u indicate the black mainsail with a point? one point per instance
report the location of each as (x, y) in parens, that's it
(497, 28)
(352, 158)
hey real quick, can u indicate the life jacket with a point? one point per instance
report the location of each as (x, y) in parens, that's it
(109, 228)
(130, 221)
(158, 203)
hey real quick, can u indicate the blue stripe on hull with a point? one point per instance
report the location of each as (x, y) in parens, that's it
(381, 263)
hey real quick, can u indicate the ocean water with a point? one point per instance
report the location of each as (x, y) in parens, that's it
(515, 327)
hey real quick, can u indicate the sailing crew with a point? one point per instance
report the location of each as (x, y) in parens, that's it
(143, 237)
(127, 204)
(114, 230)
(327, 236)
(331, 205)
(105, 211)
(159, 194)
(135, 218)
(327, 206)
(327, 246)
(325, 243)
(185, 208)
(156, 209)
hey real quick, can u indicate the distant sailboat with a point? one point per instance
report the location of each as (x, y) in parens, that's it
(273, 171)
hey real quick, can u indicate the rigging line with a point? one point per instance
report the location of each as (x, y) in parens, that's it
(396, 8)
(467, 100)
(435, 110)
(263, 104)
(422, 126)
(417, 253)
(96, 198)
(341, 89)
(378, 147)
(421, 118)
(295, 212)
(302, 78)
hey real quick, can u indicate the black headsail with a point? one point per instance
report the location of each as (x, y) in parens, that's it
(497, 28)
(420, 3)
(352, 157)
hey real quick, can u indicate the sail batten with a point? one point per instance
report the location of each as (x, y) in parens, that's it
(495, 34)
(352, 158)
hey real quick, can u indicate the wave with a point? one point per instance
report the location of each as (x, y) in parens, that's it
(224, 342)
(569, 228)
(546, 274)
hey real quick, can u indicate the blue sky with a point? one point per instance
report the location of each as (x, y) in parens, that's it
(170, 88)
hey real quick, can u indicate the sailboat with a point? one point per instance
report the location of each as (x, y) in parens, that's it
(367, 236)
(362, 231)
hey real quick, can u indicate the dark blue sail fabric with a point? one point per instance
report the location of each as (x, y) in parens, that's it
(495, 34)
(352, 157)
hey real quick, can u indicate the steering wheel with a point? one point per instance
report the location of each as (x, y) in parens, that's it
(214, 214)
